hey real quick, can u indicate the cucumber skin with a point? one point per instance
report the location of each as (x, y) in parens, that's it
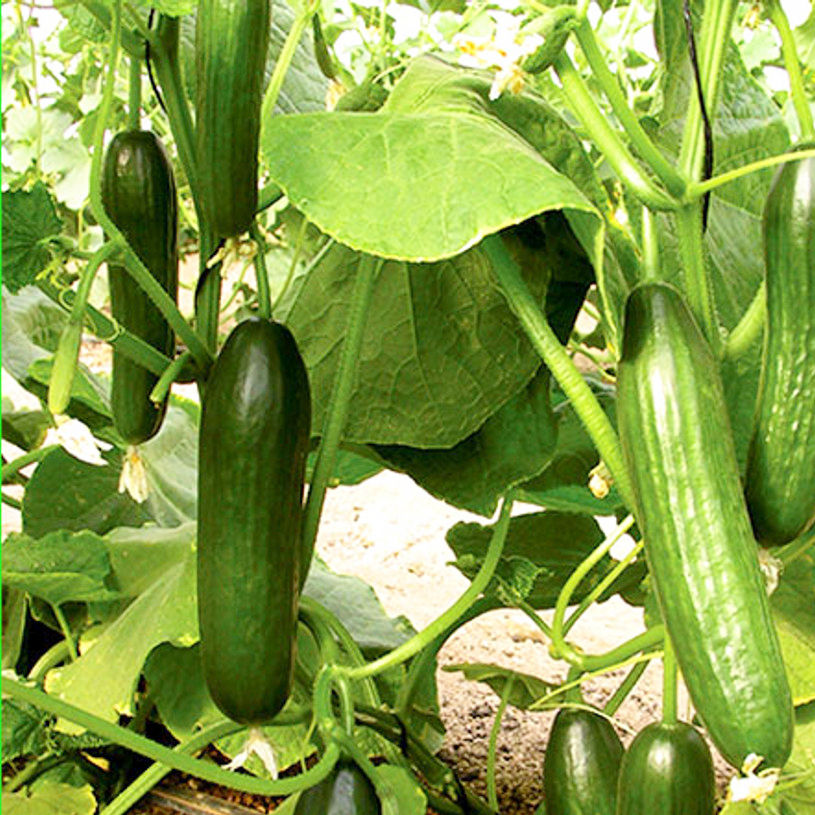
(581, 764)
(139, 196)
(231, 41)
(780, 482)
(667, 770)
(678, 448)
(254, 438)
(345, 791)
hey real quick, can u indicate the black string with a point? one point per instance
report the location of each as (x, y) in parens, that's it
(707, 170)
(153, 83)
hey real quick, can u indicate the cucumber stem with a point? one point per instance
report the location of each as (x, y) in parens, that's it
(540, 334)
(492, 748)
(339, 404)
(419, 641)
(669, 682)
(624, 688)
(173, 759)
(134, 94)
(749, 327)
(793, 66)
(608, 140)
(261, 273)
(13, 467)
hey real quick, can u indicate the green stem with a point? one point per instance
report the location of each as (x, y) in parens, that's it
(419, 641)
(312, 264)
(542, 337)
(559, 645)
(650, 246)
(607, 139)
(715, 36)
(261, 273)
(136, 790)
(270, 194)
(67, 354)
(626, 686)
(340, 402)
(667, 173)
(749, 327)
(669, 683)
(66, 631)
(12, 502)
(134, 94)
(695, 273)
(13, 467)
(165, 57)
(169, 375)
(700, 188)
(172, 758)
(642, 642)
(598, 590)
(130, 345)
(284, 60)
(423, 663)
(492, 795)
(208, 289)
(55, 655)
(793, 66)
(533, 615)
(787, 554)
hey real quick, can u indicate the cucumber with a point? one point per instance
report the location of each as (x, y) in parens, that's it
(231, 41)
(780, 481)
(581, 764)
(254, 436)
(345, 791)
(667, 770)
(678, 448)
(139, 196)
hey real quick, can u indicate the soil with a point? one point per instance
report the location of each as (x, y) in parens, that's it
(390, 533)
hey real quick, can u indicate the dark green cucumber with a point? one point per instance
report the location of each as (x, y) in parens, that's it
(581, 764)
(678, 448)
(254, 436)
(780, 483)
(231, 41)
(345, 791)
(667, 770)
(139, 196)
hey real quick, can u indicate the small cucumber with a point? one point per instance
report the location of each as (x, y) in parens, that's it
(139, 196)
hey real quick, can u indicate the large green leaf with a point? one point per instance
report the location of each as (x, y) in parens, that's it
(50, 798)
(523, 692)
(439, 338)
(65, 493)
(30, 220)
(513, 445)
(447, 176)
(59, 567)
(540, 553)
(104, 678)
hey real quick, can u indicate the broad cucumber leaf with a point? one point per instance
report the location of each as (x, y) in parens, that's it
(540, 553)
(410, 798)
(448, 173)
(59, 567)
(29, 220)
(524, 692)
(50, 798)
(440, 354)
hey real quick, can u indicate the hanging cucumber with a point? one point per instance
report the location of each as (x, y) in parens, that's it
(254, 436)
(581, 764)
(699, 544)
(667, 770)
(231, 41)
(345, 791)
(139, 196)
(780, 482)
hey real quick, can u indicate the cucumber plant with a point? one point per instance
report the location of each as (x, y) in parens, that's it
(434, 241)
